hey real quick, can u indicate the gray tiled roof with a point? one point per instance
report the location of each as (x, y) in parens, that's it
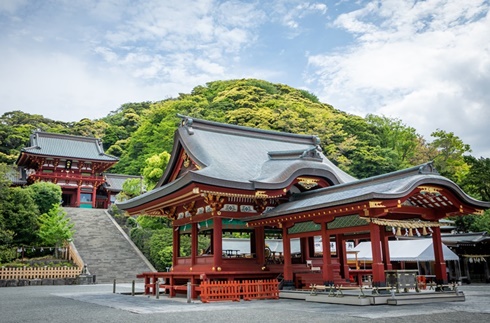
(61, 145)
(252, 158)
(388, 186)
(114, 182)
(243, 158)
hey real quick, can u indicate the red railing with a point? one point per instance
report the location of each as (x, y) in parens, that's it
(218, 291)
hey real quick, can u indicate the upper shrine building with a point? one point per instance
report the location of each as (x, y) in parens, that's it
(224, 178)
(77, 164)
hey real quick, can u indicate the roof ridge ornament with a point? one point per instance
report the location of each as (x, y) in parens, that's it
(428, 168)
(187, 123)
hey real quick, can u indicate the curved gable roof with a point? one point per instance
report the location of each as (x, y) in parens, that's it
(250, 158)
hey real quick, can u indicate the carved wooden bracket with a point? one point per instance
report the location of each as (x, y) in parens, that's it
(170, 212)
(260, 205)
(191, 208)
(215, 202)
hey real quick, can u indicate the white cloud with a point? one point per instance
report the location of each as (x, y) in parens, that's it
(426, 63)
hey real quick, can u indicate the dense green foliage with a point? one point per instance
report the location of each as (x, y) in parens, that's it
(21, 222)
(45, 195)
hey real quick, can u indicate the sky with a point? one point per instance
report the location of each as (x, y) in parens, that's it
(426, 63)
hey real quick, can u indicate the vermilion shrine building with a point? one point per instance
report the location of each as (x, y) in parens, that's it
(225, 178)
(77, 164)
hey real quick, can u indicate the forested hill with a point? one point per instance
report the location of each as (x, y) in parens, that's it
(137, 131)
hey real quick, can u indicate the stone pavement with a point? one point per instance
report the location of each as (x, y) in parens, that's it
(97, 303)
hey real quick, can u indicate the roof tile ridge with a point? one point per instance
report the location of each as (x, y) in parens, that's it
(64, 135)
(190, 123)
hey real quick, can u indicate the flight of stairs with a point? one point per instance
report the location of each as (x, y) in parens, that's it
(105, 249)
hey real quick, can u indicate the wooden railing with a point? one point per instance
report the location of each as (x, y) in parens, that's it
(39, 272)
(73, 256)
(69, 253)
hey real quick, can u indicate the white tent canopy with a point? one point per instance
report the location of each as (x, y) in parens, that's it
(404, 250)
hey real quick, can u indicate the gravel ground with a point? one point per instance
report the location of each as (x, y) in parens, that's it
(97, 303)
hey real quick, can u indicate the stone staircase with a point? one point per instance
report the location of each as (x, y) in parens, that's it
(105, 248)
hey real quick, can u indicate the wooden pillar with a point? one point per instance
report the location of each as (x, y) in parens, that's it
(288, 266)
(217, 242)
(327, 270)
(259, 240)
(175, 245)
(439, 264)
(379, 279)
(77, 198)
(194, 243)
(342, 256)
(94, 197)
(385, 249)
(311, 248)
(303, 245)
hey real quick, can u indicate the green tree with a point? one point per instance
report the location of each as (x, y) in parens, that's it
(132, 187)
(45, 194)
(20, 214)
(477, 181)
(481, 223)
(449, 160)
(154, 168)
(55, 229)
(6, 235)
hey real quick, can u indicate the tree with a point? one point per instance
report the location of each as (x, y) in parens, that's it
(477, 181)
(394, 136)
(132, 187)
(20, 213)
(6, 236)
(155, 166)
(449, 160)
(55, 229)
(45, 194)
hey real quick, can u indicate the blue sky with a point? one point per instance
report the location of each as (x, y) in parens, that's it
(426, 63)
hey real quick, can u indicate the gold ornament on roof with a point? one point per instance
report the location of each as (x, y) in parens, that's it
(261, 195)
(187, 160)
(376, 204)
(307, 183)
(430, 190)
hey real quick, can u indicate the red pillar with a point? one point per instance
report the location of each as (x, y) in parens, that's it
(379, 278)
(342, 256)
(327, 269)
(288, 267)
(194, 243)
(94, 197)
(77, 199)
(439, 264)
(217, 242)
(385, 250)
(175, 245)
(259, 241)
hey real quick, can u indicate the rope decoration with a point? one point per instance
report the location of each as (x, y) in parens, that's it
(410, 226)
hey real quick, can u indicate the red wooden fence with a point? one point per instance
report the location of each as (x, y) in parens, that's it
(217, 291)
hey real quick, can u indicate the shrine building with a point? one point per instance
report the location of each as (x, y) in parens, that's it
(77, 164)
(263, 184)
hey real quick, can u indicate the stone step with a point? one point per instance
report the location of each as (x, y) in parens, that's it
(104, 247)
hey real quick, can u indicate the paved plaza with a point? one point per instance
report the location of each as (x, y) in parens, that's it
(98, 303)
